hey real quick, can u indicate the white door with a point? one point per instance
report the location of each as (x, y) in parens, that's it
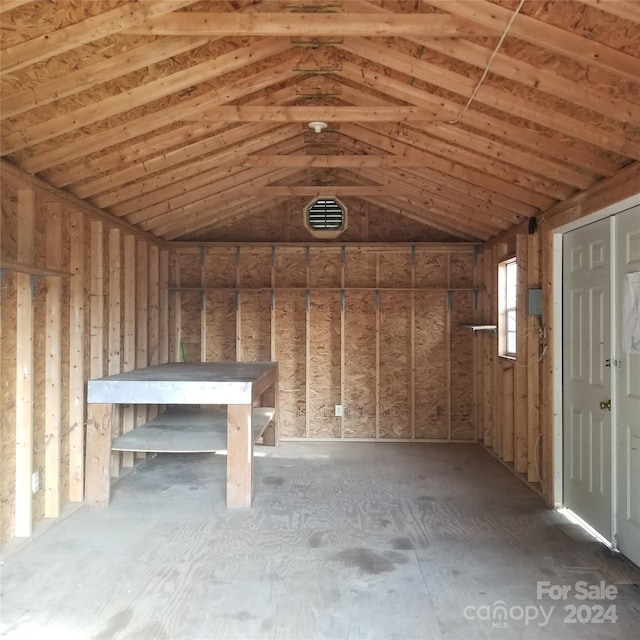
(627, 382)
(586, 378)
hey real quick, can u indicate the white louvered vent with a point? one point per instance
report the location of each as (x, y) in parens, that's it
(326, 217)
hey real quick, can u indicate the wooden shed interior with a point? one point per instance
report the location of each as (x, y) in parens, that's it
(156, 163)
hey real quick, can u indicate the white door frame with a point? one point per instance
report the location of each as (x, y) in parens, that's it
(556, 266)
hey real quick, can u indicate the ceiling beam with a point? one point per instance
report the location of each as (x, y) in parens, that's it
(394, 183)
(325, 191)
(544, 35)
(391, 113)
(301, 161)
(105, 24)
(286, 24)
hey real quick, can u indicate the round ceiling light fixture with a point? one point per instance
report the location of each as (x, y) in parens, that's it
(318, 127)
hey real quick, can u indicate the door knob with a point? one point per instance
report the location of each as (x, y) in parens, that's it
(606, 405)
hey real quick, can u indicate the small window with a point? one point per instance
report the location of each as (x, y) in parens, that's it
(325, 217)
(507, 292)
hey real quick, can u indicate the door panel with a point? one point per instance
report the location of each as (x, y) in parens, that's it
(587, 381)
(627, 405)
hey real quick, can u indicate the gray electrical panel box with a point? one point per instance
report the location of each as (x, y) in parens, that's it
(534, 302)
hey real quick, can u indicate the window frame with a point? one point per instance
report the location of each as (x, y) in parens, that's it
(507, 307)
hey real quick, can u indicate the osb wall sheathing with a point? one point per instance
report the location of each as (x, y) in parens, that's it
(324, 364)
(220, 325)
(360, 364)
(395, 363)
(190, 310)
(374, 328)
(80, 231)
(290, 353)
(431, 363)
(255, 322)
(290, 269)
(462, 379)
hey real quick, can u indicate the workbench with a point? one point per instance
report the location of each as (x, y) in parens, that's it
(243, 387)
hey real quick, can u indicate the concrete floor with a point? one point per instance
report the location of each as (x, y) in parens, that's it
(358, 541)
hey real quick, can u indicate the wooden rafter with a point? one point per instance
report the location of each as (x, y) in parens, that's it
(204, 182)
(473, 159)
(147, 156)
(544, 35)
(243, 185)
(455, 188)
(224, 145)
(138, 196)
(100, 26)
(451, 206)
(520, 71)
(221, 194)
(143, 94)
(504, 101)
(97, 73)
(449, 110)
(168, 115)
(625, 9)
(414, 182)
(447, 167)
(531, 76)
(192, 145)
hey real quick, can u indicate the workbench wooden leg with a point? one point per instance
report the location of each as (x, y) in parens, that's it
(98, 456)
(270, 399)
(239, 456)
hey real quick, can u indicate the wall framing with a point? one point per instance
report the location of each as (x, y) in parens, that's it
(348, 325)
(68, 287)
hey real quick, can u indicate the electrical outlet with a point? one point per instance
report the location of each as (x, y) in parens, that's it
(338, 410)
(35, 482)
